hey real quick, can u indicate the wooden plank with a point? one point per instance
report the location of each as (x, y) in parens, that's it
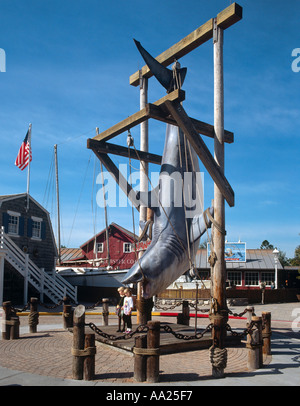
(229, 16)
(202, 151)
(225, 19)
(108, 148)
(119, 178)
(139, 117)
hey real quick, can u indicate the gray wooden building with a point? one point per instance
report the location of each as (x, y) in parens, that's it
(28, 251)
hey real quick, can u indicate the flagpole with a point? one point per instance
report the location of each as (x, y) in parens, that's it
(28, 173)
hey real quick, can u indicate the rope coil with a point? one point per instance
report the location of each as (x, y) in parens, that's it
(218, 357)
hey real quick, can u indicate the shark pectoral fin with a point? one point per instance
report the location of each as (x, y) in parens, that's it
(134, 275)
(200, 224)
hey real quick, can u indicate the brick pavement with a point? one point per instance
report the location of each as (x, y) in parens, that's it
(49, 353)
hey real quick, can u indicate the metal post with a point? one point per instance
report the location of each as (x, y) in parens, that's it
(57, 202)
(219, 313)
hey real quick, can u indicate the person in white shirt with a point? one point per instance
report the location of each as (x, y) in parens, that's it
(127, 308)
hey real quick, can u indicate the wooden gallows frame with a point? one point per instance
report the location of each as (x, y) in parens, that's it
(169, 109)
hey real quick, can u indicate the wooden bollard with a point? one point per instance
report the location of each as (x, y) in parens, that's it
(250, 313)
(15, 327)
(33, 317)
(140, 358)
(78, 342)
(89, 358)
(254, 345)
(184, 317)
(67, 313)
(153, 351)
(266, 332)
(105, 311)
(6, 327)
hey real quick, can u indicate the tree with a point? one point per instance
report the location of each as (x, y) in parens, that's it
(296, 260)
(283, 258)
(265, 245)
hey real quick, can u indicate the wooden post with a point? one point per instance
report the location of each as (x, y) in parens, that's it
(67, 313)
(105, 311)
(6, 327)
(153, 343)
(254, 344)
(15, 327)
(89, 359)
(266, 332)
(33, 317)
(220, 315)
(184, 317)
(140, 359)
(250, 313)
(78, 341)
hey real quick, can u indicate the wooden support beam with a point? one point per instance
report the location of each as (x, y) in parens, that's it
(225, 19)
(139, 117)
(119, 178)
(161, 113)
(184, 122)
(108, 148)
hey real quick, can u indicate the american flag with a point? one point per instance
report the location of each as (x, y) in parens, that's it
(25, 151)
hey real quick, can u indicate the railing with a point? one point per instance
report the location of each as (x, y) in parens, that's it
(55, 287)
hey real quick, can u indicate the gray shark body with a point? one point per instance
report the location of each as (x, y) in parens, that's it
(178, 219)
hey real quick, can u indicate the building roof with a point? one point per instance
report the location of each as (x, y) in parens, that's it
(255, 259)
(71, 254)
(122, 229)
(19, 195)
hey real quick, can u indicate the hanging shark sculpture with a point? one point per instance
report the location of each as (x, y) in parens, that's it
(179, 220)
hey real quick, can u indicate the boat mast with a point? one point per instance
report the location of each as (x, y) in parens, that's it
(57, 201)
(105, 209)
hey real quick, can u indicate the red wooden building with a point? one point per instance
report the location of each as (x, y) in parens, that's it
(118, 253)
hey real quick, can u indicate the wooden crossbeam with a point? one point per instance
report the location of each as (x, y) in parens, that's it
(225, 19)
(184, 122)
(159, 112)
(103, 147)
(139, 117)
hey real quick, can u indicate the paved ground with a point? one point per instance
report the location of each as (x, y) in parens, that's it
(44, 358)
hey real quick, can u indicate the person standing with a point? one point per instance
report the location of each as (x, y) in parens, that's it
(119, 309)
(128, 307)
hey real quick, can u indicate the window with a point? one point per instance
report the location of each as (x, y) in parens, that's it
(99, 247)
(36, 229)
(13, 224)
(268, 278)
(251, 278)
(127, 247)
(235, 278)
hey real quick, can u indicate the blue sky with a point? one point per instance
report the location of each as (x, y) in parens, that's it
(67, 72)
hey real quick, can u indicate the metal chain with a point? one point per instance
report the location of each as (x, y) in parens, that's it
(186, 337)
(112, 337)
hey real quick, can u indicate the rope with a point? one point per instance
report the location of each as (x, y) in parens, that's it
(218, 357)
(33, 318)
